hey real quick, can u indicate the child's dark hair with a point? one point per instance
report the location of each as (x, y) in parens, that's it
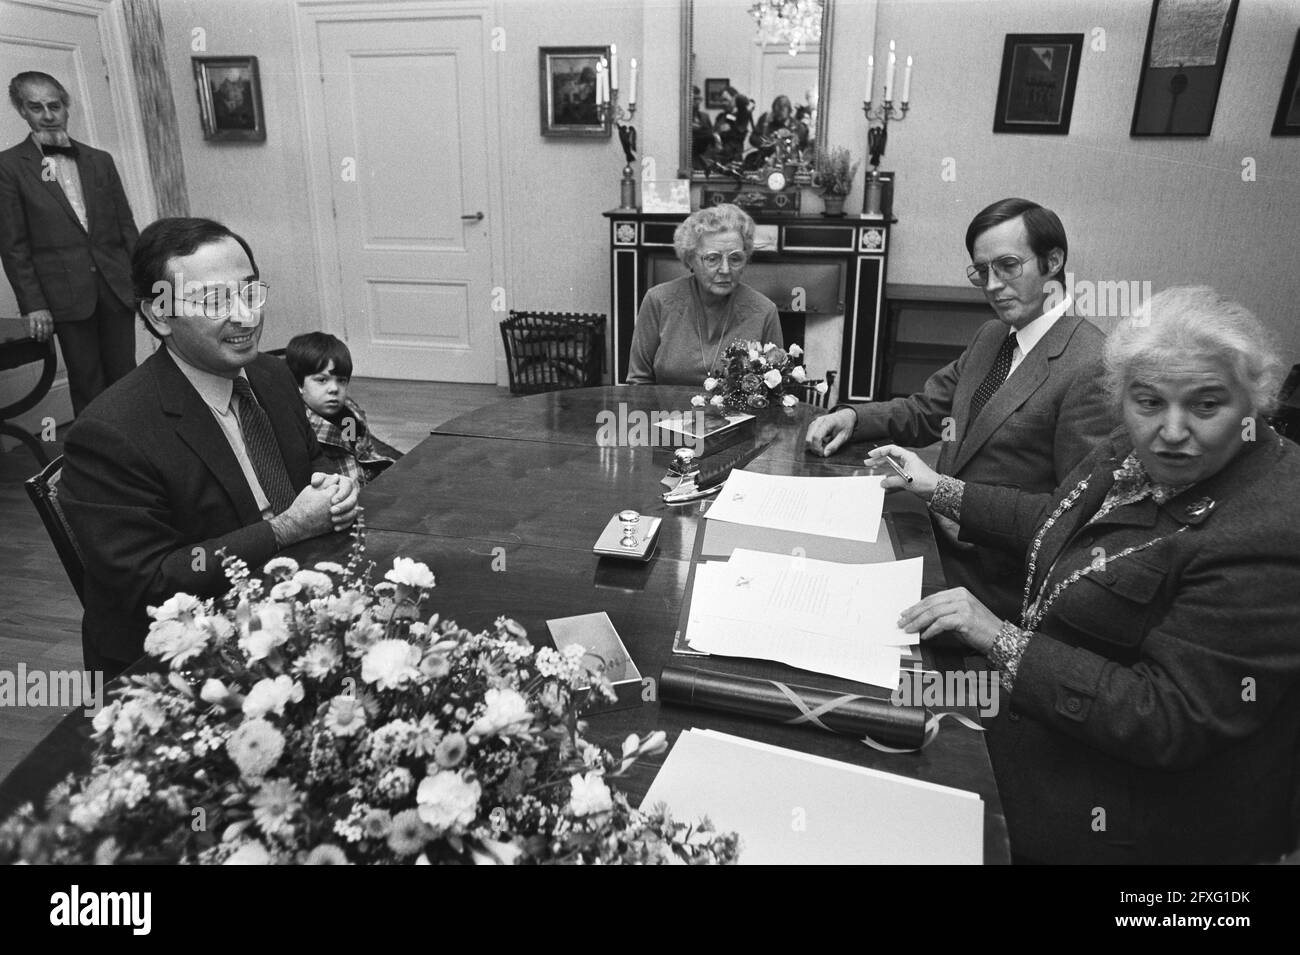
(311, 353)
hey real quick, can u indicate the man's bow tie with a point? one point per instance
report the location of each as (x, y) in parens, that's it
(60, 151)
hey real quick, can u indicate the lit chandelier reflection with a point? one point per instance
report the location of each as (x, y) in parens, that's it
(795, 22)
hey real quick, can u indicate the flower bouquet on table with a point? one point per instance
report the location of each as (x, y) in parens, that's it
(324, 720)
(751, 376)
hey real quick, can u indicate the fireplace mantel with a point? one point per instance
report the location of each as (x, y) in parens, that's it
(842, 259)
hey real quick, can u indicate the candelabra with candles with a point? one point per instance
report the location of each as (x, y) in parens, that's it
(607, 108)
(878, 124)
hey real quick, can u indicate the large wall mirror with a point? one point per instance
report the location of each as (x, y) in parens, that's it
(726, 55)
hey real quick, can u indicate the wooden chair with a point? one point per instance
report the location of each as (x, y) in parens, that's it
(820, 401)
(43, 489)
(551, 351)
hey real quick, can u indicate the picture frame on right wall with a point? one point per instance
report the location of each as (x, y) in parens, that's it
(1182, 67)
(1287, 122)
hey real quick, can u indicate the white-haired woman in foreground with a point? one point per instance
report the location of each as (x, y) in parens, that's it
(1151, 704)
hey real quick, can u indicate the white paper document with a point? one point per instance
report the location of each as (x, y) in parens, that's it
(821, 616)
(845, 507)
(847, 814)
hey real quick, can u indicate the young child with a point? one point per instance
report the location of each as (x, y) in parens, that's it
(323, 366)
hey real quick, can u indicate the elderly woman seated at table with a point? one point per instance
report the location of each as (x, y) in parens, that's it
(684, 325)
(1152, 711)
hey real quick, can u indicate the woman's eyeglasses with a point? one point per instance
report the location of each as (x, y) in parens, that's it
(713, 260)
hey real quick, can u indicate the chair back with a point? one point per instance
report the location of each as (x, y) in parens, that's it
(818, 400)
(551, 351)
(43, 489)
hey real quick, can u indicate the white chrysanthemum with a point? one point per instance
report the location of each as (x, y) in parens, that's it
(507, 712)
(346, 605)
(274, 806)
(255, 747)
(409, 572)
(326, 854)
(286, 590)
(447, 801)
(590, 795)
(281, 565)
(390, 664)
(772, 378)
(318, 661)
(178, 607)
(329, 567)
(250, 853)
(271, 696)
(267, 630)
(345, 716)
(319, 584)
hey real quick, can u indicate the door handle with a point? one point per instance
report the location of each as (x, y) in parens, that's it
(474, 217)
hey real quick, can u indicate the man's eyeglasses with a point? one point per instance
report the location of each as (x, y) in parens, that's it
(713, 260)
(219, 302)
(1006, 268)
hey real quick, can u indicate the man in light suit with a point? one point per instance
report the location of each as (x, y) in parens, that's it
(1020, 407)
(66, 234)
(203, 447)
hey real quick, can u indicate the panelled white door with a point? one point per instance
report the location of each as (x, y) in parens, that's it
(404, 116)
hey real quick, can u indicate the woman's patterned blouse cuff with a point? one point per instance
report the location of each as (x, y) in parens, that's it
(1008, 647)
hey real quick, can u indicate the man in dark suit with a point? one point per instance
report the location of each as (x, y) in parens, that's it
(1021, 406)
(203, 447)
(66, 234)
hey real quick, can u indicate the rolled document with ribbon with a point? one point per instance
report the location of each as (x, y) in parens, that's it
(878, 720)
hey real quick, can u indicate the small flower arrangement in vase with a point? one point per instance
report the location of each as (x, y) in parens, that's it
(751, 376)
(835, 172)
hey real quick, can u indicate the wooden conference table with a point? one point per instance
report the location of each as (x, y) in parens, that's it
(505, 503)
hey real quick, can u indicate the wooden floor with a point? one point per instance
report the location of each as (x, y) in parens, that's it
(40, 616)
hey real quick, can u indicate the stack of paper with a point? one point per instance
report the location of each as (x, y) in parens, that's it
(845, 507)
(823, 616)
(792, 808)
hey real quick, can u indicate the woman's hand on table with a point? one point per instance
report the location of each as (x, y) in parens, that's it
(953, 611)
(924, 478)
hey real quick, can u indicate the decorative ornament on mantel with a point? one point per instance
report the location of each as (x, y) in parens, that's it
(796, 23)
(607, 105)
(878, 124)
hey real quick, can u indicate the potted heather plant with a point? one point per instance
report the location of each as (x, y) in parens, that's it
(835, 172)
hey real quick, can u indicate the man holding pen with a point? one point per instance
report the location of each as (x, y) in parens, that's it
(1020, 407)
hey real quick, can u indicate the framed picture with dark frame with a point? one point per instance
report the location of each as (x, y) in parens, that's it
(1288, 107)
(1182, 67)
(713, 90)
(230, 98)
(1036, 88)
(567, 87)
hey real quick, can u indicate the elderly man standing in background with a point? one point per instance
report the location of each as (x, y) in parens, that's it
(66, 236)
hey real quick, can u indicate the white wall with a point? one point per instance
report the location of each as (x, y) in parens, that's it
(1166, 210)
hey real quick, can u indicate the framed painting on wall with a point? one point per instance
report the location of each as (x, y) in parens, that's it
(1287, 122)
(230, 97)
(567, 81)
(713, 90)
(1036, 88)
(1187, 46)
